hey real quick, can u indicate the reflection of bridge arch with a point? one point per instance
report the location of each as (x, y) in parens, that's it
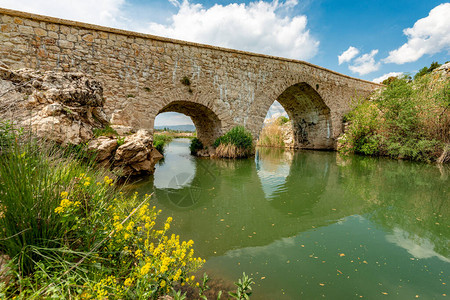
(305, 182)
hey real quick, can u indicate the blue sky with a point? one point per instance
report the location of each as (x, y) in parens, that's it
(364, 39)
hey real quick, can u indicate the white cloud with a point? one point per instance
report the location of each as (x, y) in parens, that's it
(275, 111)
(172, 118)
(348, 55)
(429, 35)
(257, 26)
(365, 64)
(102, 12)
(418, 247)
(386, 76)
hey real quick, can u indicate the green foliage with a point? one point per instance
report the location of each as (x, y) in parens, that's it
(8, 135)
(238, 136)
(105, 131)
(389, 80)
(282, 120)
(406, 120)
(160, 141)
(120, 141)
(186, 81)
(195, 146)
(71, 234)
(244, 288)
(427, 70)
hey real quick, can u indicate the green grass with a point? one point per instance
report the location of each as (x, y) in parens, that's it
(106, 131)
(69, 231)
(160, 141)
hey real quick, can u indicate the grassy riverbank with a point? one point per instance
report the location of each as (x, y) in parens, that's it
(71, 233)
(409, 119)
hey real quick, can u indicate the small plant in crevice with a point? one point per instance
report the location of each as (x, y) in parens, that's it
(186, 81)
(131, 96)
(105, 131)
(120, 141)
(195, 146)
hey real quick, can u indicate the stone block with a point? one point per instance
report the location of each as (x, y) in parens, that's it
(40, 32)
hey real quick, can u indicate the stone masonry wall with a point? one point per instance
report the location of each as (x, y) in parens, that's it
(142, 74)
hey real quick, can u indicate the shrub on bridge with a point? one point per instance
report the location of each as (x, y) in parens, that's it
(236, 143)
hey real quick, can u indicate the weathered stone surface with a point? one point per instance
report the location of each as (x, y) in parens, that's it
(136, 155)
(145, 75)
(66, 108)
(104, 147)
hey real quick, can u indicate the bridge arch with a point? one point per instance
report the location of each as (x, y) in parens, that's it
(206, 121)
(309, 115)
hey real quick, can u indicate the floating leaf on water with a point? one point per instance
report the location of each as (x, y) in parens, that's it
(341, 254)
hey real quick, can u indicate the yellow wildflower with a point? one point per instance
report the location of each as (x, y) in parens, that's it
(145, 269)
(138, 253)
(163, 283)
(59, 210)
(128, 282)
(64, 194)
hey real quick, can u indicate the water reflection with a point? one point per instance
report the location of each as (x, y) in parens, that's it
(273, 167)
(313, 224)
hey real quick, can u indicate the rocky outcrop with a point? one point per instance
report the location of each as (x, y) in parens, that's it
(66, 108)
(63, 107)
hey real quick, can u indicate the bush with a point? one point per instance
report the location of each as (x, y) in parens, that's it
(71, 234)
(195, 146)
(160, 141)
(282, 120)
(427, 70)
(238, 142)
(406, 120)
(106, 131)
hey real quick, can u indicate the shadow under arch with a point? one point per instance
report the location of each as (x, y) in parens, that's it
(310, 116)
(206, 121)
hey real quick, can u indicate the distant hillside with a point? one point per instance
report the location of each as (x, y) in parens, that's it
(187, 127)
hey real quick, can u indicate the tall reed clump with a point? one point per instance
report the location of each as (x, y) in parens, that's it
(236, 143)
(70, 233)
(272, 134)
(408, 119)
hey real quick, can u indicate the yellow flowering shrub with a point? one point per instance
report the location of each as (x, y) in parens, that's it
(145, 259)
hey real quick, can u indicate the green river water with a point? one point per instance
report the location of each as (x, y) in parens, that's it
(310, 224)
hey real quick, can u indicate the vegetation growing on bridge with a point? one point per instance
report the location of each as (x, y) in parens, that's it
(236, 143)
(410, 119)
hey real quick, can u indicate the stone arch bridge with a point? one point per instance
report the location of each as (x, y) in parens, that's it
(144, 75)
